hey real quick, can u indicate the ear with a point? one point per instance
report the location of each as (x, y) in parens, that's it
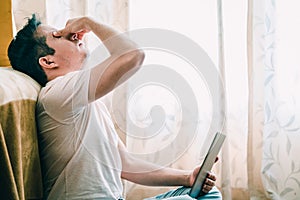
(47, 62)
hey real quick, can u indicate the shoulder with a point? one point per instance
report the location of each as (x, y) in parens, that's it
(66, 83)
(66, 92)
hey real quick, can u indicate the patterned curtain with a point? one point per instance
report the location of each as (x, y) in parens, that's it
(262, 159)
(281, 132)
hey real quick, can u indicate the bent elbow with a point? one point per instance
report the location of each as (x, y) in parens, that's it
(134, 58)
(138, 58)
(141, 55)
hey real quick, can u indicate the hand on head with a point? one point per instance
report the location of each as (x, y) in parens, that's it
(74, 29)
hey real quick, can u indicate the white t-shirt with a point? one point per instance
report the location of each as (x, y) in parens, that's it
(78, 142)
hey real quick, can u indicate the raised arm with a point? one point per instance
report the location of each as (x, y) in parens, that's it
(125, 57)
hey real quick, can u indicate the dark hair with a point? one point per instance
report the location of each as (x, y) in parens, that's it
(26, 48)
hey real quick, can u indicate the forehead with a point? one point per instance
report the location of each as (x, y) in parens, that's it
(45, 30)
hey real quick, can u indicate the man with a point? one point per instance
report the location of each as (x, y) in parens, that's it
(81, 154)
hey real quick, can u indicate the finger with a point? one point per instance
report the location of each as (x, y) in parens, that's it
(61, 33)
(77, 36)
(209, 182)
(70, 21)
(211, 176)
(65, 32)
(80, 34)
(57, 33)
(206, 188)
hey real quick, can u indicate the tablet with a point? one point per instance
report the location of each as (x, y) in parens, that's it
(207, 164)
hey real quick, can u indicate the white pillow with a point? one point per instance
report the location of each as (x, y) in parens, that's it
(15, 85)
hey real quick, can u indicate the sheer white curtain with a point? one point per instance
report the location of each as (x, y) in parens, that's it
(253, 44)
(173, 145)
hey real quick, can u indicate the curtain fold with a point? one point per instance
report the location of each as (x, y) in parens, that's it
(255, 101)
(224, 172)
(244, 127)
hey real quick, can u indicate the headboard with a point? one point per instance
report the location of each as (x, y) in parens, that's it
(20, 171)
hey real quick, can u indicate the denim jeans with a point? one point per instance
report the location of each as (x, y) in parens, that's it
(182, 194)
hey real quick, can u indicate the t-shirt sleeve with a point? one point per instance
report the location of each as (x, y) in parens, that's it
(64, 97)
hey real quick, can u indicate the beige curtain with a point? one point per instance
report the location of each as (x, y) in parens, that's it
(255, 101)
(241, 169)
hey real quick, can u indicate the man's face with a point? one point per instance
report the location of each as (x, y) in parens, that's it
(69, 53)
